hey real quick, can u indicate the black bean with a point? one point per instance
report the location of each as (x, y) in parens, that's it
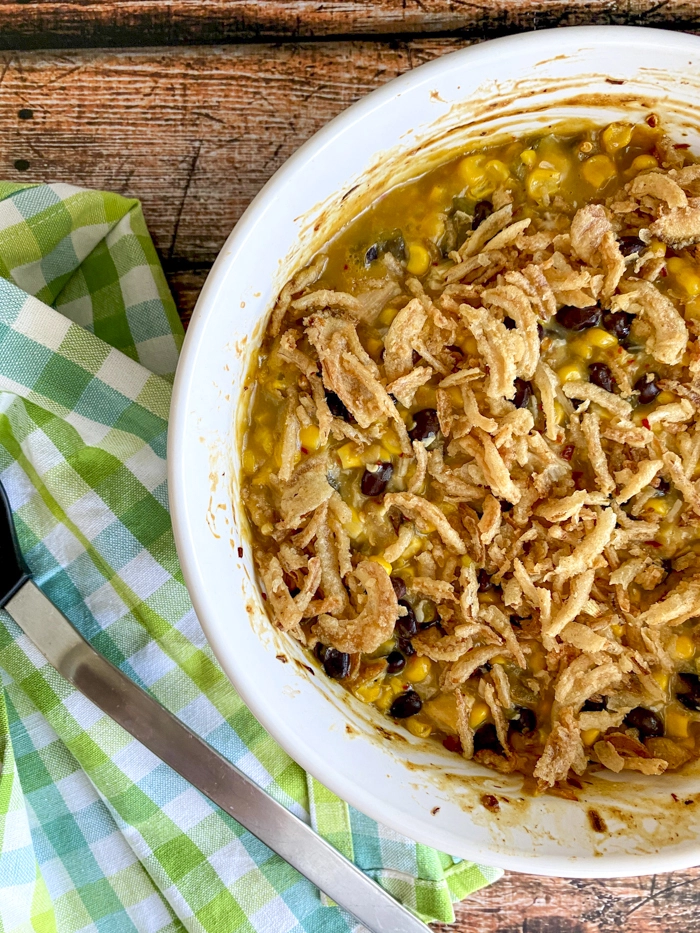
(594, 705)
(482, 210)
(486, 737)
(689, 701)
(523, 393)
(629, 245)
(600, 375)
(371, 254)
(663, 486)
(407, 626)
(399, 585)
(578, 318)
(648, 723)
(426, 425)
(484, 581)
(509, 323)
(523, 721)
(337, 407)
(405, 705)
(320, 650)
(376, 478)
(618, 323)
(647, 387)
(692, 682)
(405, 647)
(336, 663)
(395, 662)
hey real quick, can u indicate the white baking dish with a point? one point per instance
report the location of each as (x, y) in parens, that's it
(514, 85)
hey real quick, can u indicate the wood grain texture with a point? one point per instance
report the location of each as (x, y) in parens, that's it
(532, 904)
(193, 133)
(101, 23)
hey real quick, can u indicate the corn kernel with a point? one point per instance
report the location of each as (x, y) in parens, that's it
(455, 395)
(418, 259)
(536, 661)
(643, 162)
(387, 316)
(660, 506)
(542, 183)
(616, 136)
(685, 275)
(368, 693)
(497, 171)
(581, 348)
(661, 677)
(262, 477)
(249, 462)
(433, 227)
(385, 699)
(349, 456)
(397, 685)
(618, 630)
(598, 170)
(479, 713)
(265, 438)
(374, 346)
(665, 397)
(466, 560)
(468, 345)
(588, 736)
(420, 729)
(571, 372)
(382, 563)
(309, 437)
(528, 157)
(684, 648)
(391, 443)
(471, 170)
(415, 545)
(499, 659)
(597, 337)
(425, 397)
(355, 526)
(417, 669)
(443, 712)
(677, 724)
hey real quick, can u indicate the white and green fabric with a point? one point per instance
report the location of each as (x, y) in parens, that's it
(96, 834)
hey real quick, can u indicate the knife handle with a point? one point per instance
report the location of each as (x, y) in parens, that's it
(224, 784)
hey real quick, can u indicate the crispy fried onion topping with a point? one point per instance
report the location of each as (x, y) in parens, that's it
(375, 621)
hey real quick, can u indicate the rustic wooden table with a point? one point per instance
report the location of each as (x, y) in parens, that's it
(190, 105)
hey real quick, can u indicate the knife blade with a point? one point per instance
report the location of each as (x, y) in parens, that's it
(187, 754)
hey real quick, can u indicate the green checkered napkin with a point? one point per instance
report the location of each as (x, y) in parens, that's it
(96, 834)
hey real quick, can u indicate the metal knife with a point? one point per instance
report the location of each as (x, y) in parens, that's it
(152, 725)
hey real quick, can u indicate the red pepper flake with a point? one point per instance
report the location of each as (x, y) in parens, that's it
(664, 273)
(240, 552)
(653, 543)
(681, 145)
(645, 424)
(452, 743)
(304, 450)
(568, 452)
(264, 596)
(652, 120)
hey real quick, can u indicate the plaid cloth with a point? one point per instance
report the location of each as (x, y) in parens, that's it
(96, 834)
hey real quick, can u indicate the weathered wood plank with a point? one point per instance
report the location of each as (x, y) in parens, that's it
(115, 23)
(531, 904)
(193, 133)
